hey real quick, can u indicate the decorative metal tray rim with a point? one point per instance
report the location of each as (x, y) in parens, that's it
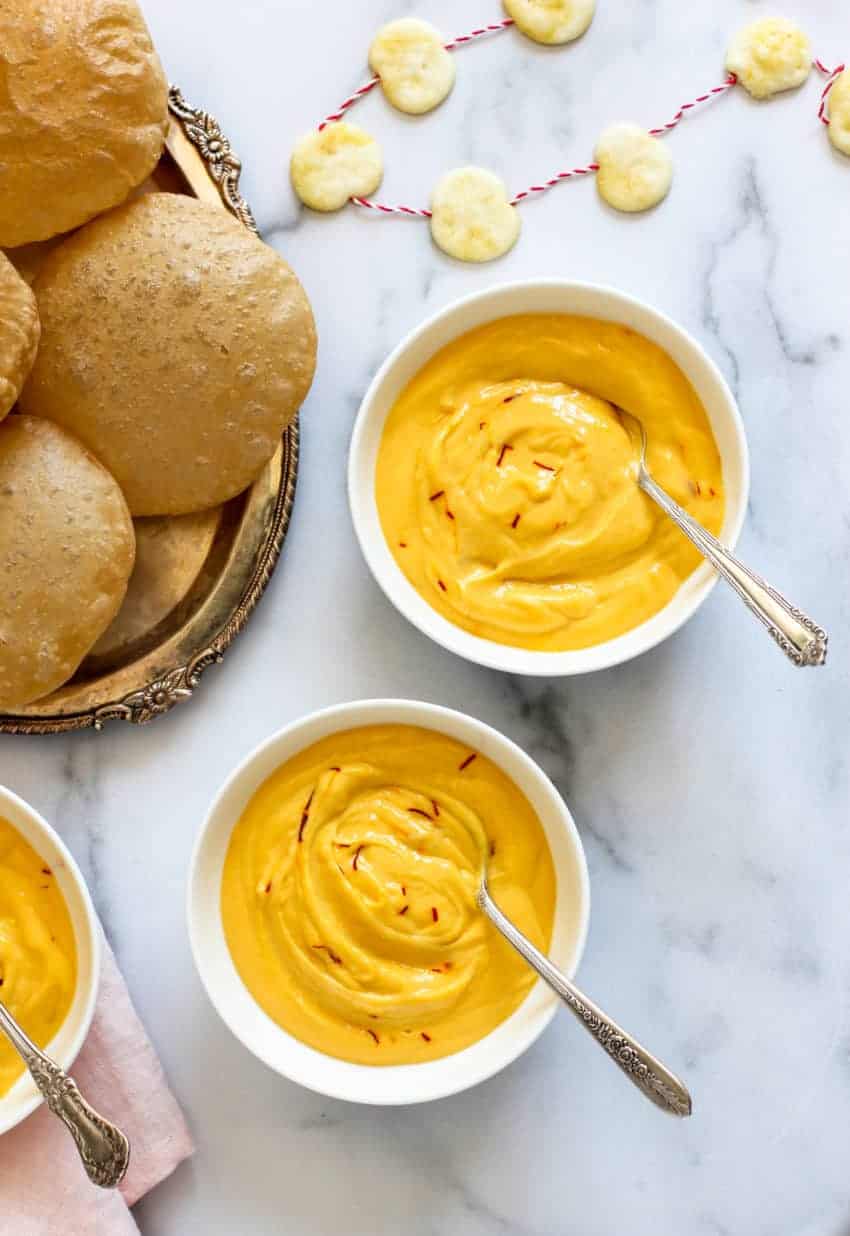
(195, 136)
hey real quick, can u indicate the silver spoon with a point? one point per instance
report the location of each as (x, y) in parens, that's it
(799, 637)
(103, 1148)
(648, 1074)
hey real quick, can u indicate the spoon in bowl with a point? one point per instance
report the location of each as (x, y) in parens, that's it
(103, 1148)
(799, 637)
(650, 1076)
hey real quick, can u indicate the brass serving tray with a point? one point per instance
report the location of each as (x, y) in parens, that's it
(197, 577)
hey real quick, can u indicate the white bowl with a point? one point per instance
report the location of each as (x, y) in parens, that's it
(390, 1084)
(23, 1098)
(541, 296)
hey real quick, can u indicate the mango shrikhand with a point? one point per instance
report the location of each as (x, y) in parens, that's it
(38, 956)
(348, 895)
(506, 481)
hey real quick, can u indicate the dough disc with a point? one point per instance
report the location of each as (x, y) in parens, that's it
(635, 168)
(769, 56)
(551, 21)
(330, 166)
(415, 69)
(472, 219)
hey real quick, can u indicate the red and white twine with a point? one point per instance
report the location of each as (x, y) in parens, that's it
(383, 209)
(349, 102)
(574, 172)
(832, 76)
(493, 28)
(731, 79)
(554, 180)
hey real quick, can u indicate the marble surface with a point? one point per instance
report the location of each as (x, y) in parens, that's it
(709, 779)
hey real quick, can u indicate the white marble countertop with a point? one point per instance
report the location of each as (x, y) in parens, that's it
(709, 779)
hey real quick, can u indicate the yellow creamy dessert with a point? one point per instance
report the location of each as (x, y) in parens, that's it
(348, 895)
(506, 480)
(38, 958)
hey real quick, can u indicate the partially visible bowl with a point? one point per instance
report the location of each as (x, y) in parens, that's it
(65, 1045)
(391, 1084)
(541, 296)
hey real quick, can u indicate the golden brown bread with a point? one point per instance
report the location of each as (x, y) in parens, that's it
(83, 112)
(66, 552)
(19, 332)
(176, 346)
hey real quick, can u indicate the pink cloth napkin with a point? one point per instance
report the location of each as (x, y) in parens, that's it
(44, 1190)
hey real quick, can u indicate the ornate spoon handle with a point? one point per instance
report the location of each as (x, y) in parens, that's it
(649, 1075)
(103, 1148)
(801, 639)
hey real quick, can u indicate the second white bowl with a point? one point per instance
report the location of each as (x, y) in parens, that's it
(388, 1084)
(541, 296)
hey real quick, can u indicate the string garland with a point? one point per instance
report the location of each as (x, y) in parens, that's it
(832, 76)
(629, 148)
(587, 170)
